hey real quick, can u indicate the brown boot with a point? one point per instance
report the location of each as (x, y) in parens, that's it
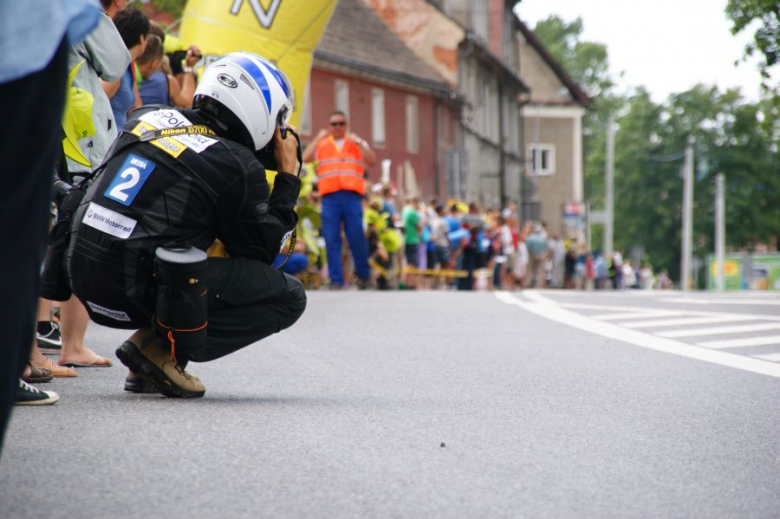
(145, 352)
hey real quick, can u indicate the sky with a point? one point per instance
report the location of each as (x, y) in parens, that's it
(665, 45)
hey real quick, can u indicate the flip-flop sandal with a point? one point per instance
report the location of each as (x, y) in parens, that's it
(96, 362)
(37, 375)
(59, 371)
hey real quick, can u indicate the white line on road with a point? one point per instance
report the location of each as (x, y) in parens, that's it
(742, 343)
(686, 321)
(692, 301)
(651, 310)
(548, 309)
(633, 315)
(771, 357)
(719, 330)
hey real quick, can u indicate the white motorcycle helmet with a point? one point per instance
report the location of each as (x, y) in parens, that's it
(247, 89)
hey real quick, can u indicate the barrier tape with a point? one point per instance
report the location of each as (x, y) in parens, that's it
(448, 273)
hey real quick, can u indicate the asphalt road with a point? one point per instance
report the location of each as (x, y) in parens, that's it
(438, 404)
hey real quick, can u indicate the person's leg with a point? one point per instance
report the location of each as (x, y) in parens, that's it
(74, 321)
(29, 139)
(248, 301)
(331, 232)
(356, 237)
(469, 264)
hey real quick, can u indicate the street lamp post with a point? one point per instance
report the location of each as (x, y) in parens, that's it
(687, 217)
(720, 232)
(610, 189)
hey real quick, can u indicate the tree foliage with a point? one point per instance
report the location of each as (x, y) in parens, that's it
(766, 39)
(731, 136)
(173, 7)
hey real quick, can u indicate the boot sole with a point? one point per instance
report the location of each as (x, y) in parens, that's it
(132, 357)
(141, 386)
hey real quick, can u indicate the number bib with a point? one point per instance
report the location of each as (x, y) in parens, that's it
(129, 179)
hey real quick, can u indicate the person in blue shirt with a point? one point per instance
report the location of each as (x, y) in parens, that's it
(34, 39)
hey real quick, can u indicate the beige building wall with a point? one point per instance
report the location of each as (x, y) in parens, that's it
(545, 85)
(559, 129)
(552, 119)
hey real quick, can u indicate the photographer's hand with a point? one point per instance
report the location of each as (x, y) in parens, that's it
(193, 56)
(285, 152)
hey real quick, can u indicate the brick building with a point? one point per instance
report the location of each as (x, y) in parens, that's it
(393, 99)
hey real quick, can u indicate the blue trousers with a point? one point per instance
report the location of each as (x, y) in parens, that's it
(338, 207)
(296, 264)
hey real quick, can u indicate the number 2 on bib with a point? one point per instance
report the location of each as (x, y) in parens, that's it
(129, 179)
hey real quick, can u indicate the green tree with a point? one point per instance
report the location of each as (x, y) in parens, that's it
(648, 162)
(739, 139)
(766, 39)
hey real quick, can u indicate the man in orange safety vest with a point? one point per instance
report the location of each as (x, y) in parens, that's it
(341, 177)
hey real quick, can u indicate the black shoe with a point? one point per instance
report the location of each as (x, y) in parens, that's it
(48, 335)
(139, 383)
(29, 395)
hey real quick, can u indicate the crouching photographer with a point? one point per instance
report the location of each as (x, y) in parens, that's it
(173, 182)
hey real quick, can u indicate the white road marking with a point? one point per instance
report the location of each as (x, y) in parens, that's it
(686, 321)
(771, 357)
(651, 310)
(692, 301)
(742, 343)
(632, 315)
(547, 308)
(719, 330)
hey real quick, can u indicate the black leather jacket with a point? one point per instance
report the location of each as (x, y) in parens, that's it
(162, 192)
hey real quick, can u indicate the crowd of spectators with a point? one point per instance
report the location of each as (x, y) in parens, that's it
(458, 246)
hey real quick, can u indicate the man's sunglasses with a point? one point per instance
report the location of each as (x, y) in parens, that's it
(338, 123)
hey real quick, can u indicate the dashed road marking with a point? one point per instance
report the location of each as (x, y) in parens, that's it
(720, 330)
(686, 321)
(693, 301)
(548, 309)
(631, 315)
(742, 343)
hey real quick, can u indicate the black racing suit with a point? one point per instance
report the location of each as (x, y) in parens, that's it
(165, 192)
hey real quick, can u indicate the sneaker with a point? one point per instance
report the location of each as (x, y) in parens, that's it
(139, 383)
(144, 352)
(48, 335)
(29, 395)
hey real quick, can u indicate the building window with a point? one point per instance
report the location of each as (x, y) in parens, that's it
(412, 125)
(542, 159)
(306, 113)
(378, 116)
(342, 96)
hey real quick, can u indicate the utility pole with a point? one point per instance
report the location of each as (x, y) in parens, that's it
(687, 217)
(610, 188)
(720, 232)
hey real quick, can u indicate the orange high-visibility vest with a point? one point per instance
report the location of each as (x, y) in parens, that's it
(340, 169)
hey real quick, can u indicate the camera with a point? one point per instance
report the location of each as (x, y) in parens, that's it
(176, 58)
(266, 155)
